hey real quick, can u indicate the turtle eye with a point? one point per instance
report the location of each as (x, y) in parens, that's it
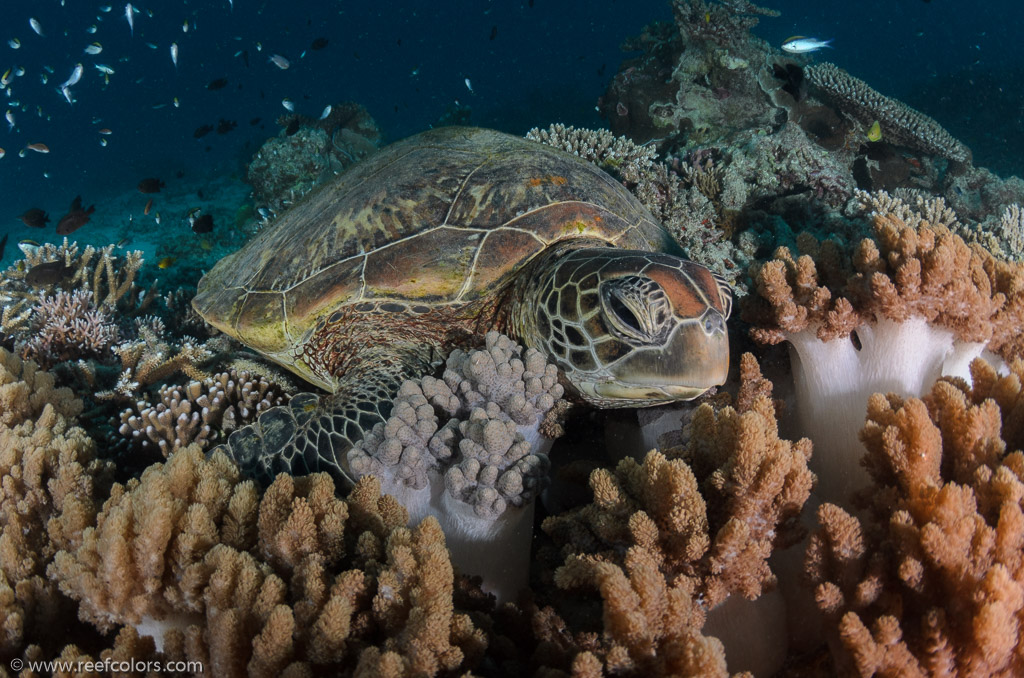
(635, 308)
(623, 313)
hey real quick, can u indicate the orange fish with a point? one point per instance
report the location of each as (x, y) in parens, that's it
(38, 148)
(149, 206)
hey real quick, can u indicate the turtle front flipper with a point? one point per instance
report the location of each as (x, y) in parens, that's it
(313, 432)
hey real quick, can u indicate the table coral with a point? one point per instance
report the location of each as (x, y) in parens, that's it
(931, 582)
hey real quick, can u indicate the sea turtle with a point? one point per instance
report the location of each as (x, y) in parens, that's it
(375, 276)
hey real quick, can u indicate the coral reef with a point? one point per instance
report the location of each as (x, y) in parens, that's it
(909, 305)
(201, 412)
(51, 482)
(289, 165)
(269, 584)
(469, 449)
(899, 123)
(678, 533)
(931, 580)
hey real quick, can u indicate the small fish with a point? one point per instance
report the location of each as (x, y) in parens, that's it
(287, 103)
(2, 152)
(798, 44)
(38, 148)
(104, 69)
(128, 12)
(875, 132)
(10, 120)
(177, 104)
(27, 243)
(415, 72)
(174, 53)
(202, 131)
(184, 26)
(151, 185)
(35, 218)
(148, 207)
(6, 78)
(469, 86)
(166, 262)
(91, 29)
(105, 131)
(202, 224)
(327, 111)
(152, 45)
(123, 241)
(219, 83)
(494, 32)
(48, 273)
(105, 8)
(76, 75)
(66, 91)
(103, 142)
(94, 48)
(156, 218)
(14, 43)
(36, 26)
(279, 61)
(75, 218)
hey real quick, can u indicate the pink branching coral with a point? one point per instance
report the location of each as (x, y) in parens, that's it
(932, 582)
(69, 326)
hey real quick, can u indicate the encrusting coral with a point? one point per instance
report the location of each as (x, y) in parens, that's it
(931, 581)
(670, 538)
(469, 449)
(270, 585)
(909, 305)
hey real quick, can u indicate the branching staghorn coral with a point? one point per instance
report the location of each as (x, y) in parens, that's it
(69, 326)
(900, 124)
(617, 155)
(683, 197)
(289, 582)
(910, 305)
(470, 449)
(931, 580)
(706, 517)
(201, 412)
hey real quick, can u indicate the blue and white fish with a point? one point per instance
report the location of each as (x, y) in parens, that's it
(174, 53)
(798, 44)
(36, 26)
(76, 75)
(128, 14)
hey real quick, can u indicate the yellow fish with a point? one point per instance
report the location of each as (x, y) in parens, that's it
(875, 132)
(167, 262)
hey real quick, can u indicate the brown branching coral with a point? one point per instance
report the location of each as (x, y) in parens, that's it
(49, 485)
(202, 412)
(693, 524)
(932, 582)
(264, 585)
(900, 124)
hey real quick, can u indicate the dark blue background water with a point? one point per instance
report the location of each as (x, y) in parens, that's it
(959, 62)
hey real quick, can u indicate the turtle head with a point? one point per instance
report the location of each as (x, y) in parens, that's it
(629, 328)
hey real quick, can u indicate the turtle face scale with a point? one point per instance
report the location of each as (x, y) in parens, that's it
(630, 328)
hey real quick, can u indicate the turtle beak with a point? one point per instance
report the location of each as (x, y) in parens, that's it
(694, 358)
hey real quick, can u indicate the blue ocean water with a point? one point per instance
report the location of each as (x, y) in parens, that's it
(515, 64)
